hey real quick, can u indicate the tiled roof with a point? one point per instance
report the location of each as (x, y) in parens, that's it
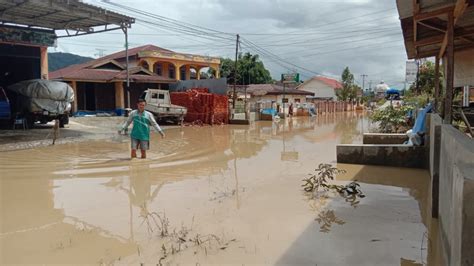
(333, 83)
(84, 73)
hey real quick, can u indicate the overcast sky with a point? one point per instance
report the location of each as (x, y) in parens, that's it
(311, 37)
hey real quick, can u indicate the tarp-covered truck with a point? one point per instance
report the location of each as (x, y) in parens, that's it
(42, 101)
(158, 103)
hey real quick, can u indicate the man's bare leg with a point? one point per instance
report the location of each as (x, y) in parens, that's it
(134, 153)
(143, 154)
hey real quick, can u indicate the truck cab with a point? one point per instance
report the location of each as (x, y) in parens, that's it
(159, 104)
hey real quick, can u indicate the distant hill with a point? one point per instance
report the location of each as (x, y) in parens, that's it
(59, 60)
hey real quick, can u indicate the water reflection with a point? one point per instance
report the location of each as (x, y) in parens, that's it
(238, 180)
(326, 219)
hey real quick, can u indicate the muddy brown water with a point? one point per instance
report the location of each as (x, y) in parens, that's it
(227, 195)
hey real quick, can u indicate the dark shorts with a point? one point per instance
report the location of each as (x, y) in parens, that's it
(144, 144)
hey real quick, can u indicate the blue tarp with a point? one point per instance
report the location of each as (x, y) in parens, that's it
(392, 91)
(269, 111)
(420, 120)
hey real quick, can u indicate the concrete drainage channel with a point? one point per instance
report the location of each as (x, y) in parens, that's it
(449, 156)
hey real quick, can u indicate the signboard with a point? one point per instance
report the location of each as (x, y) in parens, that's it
(290, 78)
(411, 70)
(19, 35)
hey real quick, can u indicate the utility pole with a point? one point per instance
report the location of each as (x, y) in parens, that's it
(234, 96)
(363, 81)
(100, 52)
(125, 31)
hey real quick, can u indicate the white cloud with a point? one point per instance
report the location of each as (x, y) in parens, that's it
(322, 36)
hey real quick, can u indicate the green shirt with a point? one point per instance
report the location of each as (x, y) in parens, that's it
(141, 124)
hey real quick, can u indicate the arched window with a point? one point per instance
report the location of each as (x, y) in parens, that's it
(171, 71)
(159, 69)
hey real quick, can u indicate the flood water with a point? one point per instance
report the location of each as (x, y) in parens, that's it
(212, 195)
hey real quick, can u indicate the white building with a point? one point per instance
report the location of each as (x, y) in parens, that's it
(324, 88)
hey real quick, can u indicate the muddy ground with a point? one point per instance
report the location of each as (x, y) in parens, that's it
(217, 195)
(79, 129)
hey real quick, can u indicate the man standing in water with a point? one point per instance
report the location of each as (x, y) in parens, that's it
(140, 136)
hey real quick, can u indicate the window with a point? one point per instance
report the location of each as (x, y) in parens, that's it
(154, 95)
(158, 69)
(161, 96)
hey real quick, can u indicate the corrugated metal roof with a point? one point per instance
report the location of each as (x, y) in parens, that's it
(431, 20)
(60, 15)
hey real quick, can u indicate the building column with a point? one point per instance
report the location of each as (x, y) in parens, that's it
(448, 104)
(218, 73)
(119, 95)
(150, 64)
(188, 72)
(76, 97)
(436, 80)
(44, 62)
(177, 71)
(198, 73)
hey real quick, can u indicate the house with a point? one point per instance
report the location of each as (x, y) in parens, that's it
(270, 95)
(100, 84)
(324, 88)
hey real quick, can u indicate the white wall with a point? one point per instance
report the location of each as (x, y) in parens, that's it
(319, 88)
(464, 68)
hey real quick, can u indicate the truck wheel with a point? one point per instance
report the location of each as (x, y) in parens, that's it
(63, 120)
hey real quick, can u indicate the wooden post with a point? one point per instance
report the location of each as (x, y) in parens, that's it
(449, 70)
(44, 62)
(119, 95)
(436, 80)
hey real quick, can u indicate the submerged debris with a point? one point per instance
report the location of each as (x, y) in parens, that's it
(319, 182)
(177, 240)
(317, 185)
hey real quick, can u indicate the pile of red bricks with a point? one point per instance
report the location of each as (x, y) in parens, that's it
(202, 106)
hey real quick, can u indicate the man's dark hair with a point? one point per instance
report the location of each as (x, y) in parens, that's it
(141, 101)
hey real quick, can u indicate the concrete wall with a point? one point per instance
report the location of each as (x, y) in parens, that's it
(434, 122)
(464, 68)
(456, 196)
(384, 138)
(387, 155)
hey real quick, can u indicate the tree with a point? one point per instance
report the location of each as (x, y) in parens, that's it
(426, 79)
(250, 70)
(349, 88)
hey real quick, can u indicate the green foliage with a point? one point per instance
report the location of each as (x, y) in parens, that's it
(392, 120)
(426, 79)
(349, 88)
(418, 101)
(324, 173)
(250, 70)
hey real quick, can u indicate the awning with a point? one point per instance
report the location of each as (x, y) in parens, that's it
(424, 25)
(73, 16)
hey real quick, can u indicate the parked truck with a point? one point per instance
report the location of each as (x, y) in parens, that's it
(42, 101)
(159, 104)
